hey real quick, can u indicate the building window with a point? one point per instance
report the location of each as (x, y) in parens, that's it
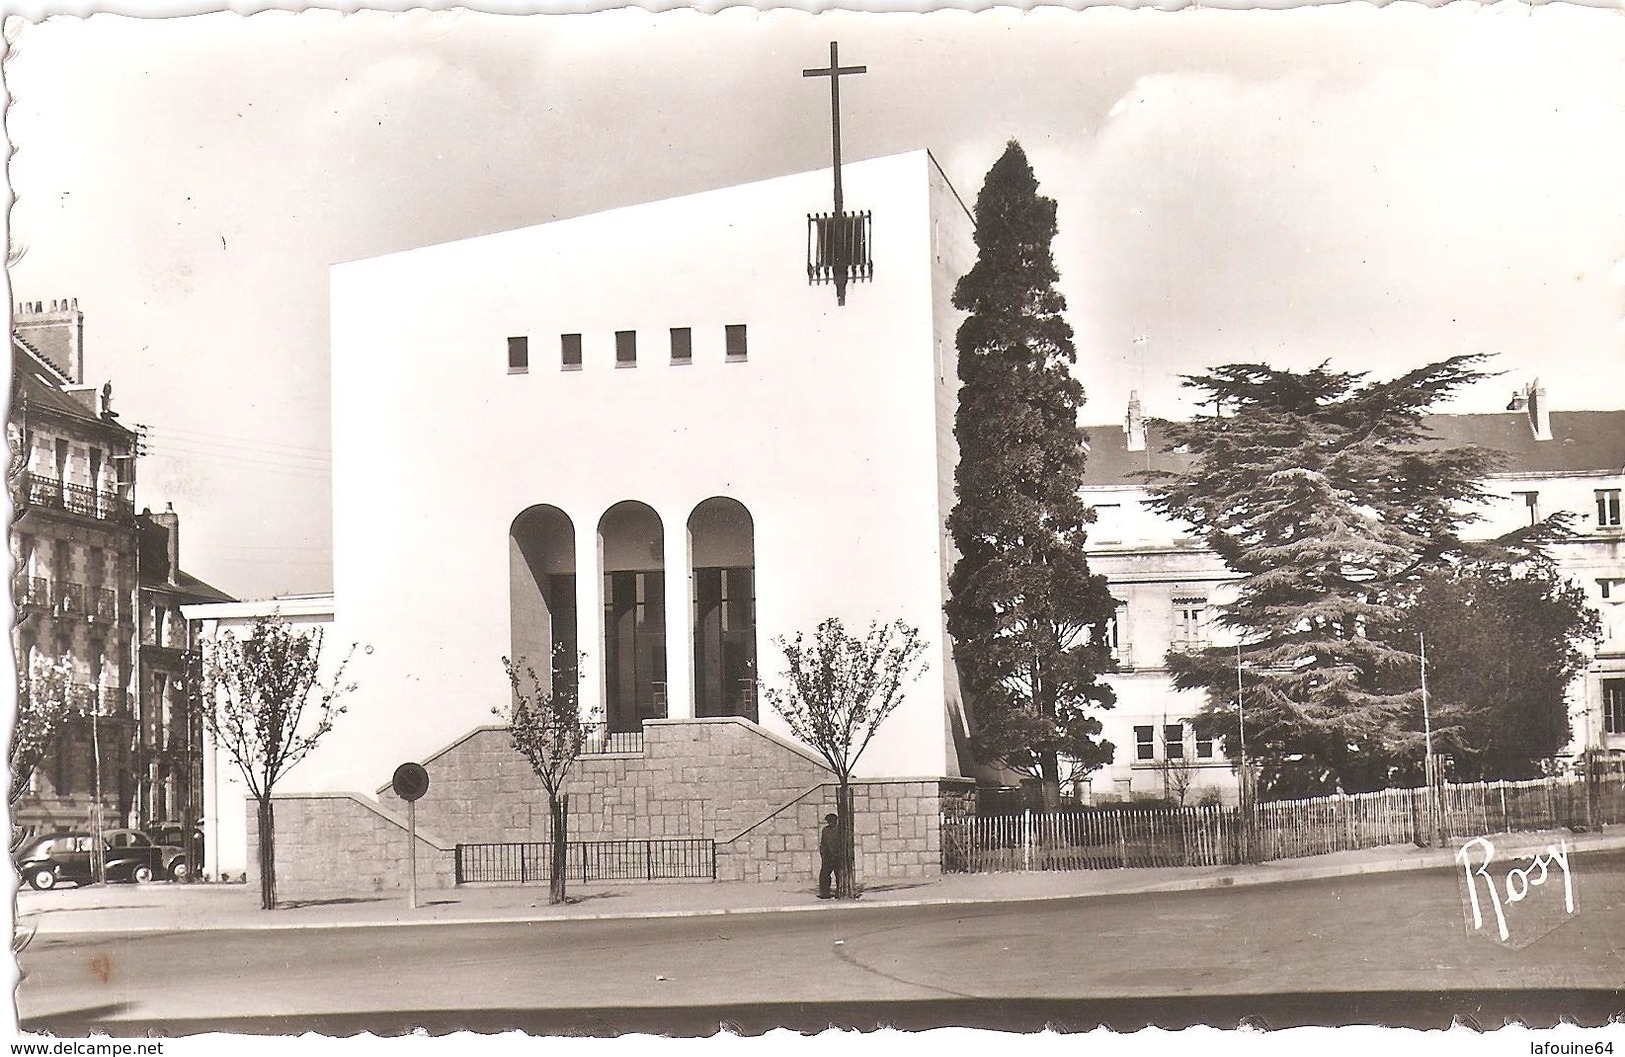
(1613, 706)
(1173, 740)
(1190, 622)
(570, 351)
(1612, 590)
(62, 461)
(1531, 505)
(736, 342)
(1145, 747)
(626, 348)
(1608, 507)
(1204, 746)
(518, 355)
(682, 345)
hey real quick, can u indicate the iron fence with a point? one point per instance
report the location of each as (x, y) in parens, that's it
(1122, 837)
(684, 859)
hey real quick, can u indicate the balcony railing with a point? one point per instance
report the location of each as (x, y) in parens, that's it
(596, 740)
(36, 592)
(70, 598)
(115, 700)
(79, 499)
(104, 604)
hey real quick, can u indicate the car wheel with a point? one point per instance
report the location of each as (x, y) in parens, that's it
(141, 874)
(179, 871)
(42, 879)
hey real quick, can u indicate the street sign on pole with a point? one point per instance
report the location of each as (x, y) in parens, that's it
(410, 782)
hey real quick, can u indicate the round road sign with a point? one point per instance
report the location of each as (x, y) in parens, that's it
(410, 782)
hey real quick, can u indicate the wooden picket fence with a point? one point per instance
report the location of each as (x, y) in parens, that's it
(1106, 838)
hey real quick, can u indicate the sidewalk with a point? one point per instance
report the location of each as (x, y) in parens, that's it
(200, 907)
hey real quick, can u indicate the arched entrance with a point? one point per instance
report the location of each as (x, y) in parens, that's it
(542, 594)
(721, 537)
(631, 548)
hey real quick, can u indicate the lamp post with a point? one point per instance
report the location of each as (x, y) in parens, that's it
(1246, 775)
(1429, 770)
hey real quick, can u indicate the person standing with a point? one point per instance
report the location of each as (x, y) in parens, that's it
(829, 855)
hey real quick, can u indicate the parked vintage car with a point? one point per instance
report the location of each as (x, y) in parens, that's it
(129, 856)
(174, 834)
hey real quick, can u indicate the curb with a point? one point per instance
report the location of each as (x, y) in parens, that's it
(1256, 875)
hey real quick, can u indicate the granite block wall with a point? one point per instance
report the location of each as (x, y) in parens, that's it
(338, 845)
(761, 798)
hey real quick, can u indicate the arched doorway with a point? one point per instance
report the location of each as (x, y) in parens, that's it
(631, 548)
(721, 537)
(542, 594)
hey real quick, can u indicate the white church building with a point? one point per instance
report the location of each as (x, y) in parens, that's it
(650, 438)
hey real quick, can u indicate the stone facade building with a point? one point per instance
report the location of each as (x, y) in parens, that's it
(73, 545)
(168, 745)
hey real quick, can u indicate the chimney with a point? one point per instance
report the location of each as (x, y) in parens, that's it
(1134, 425)
(170, 522)
(58, 334)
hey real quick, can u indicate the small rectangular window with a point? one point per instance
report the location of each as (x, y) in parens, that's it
(1145, 746)
(736, 341)
(1173, 740)
(570, 351)
(626, 348)
(1612, 590)
(1204, 747)
(518, 355)
(1608, 507)
(682, 345)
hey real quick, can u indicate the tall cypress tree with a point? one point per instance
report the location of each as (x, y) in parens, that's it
(1320, 490)
(1027, 617)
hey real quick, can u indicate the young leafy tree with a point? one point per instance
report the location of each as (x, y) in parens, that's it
(1318, 488)
(545, 725)
(1027, 617)
(265, 703)
(1503, 646)
(43, 703)
(841, 689)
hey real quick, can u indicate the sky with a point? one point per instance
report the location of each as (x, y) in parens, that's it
(1377, 187)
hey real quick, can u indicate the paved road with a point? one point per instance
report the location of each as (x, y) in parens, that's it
(1378, 948)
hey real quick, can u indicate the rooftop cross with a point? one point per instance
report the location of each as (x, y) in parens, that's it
(834, 241)
(834, 71)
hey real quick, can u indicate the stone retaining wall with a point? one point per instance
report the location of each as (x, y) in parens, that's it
(338, 844)
(760, 797)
